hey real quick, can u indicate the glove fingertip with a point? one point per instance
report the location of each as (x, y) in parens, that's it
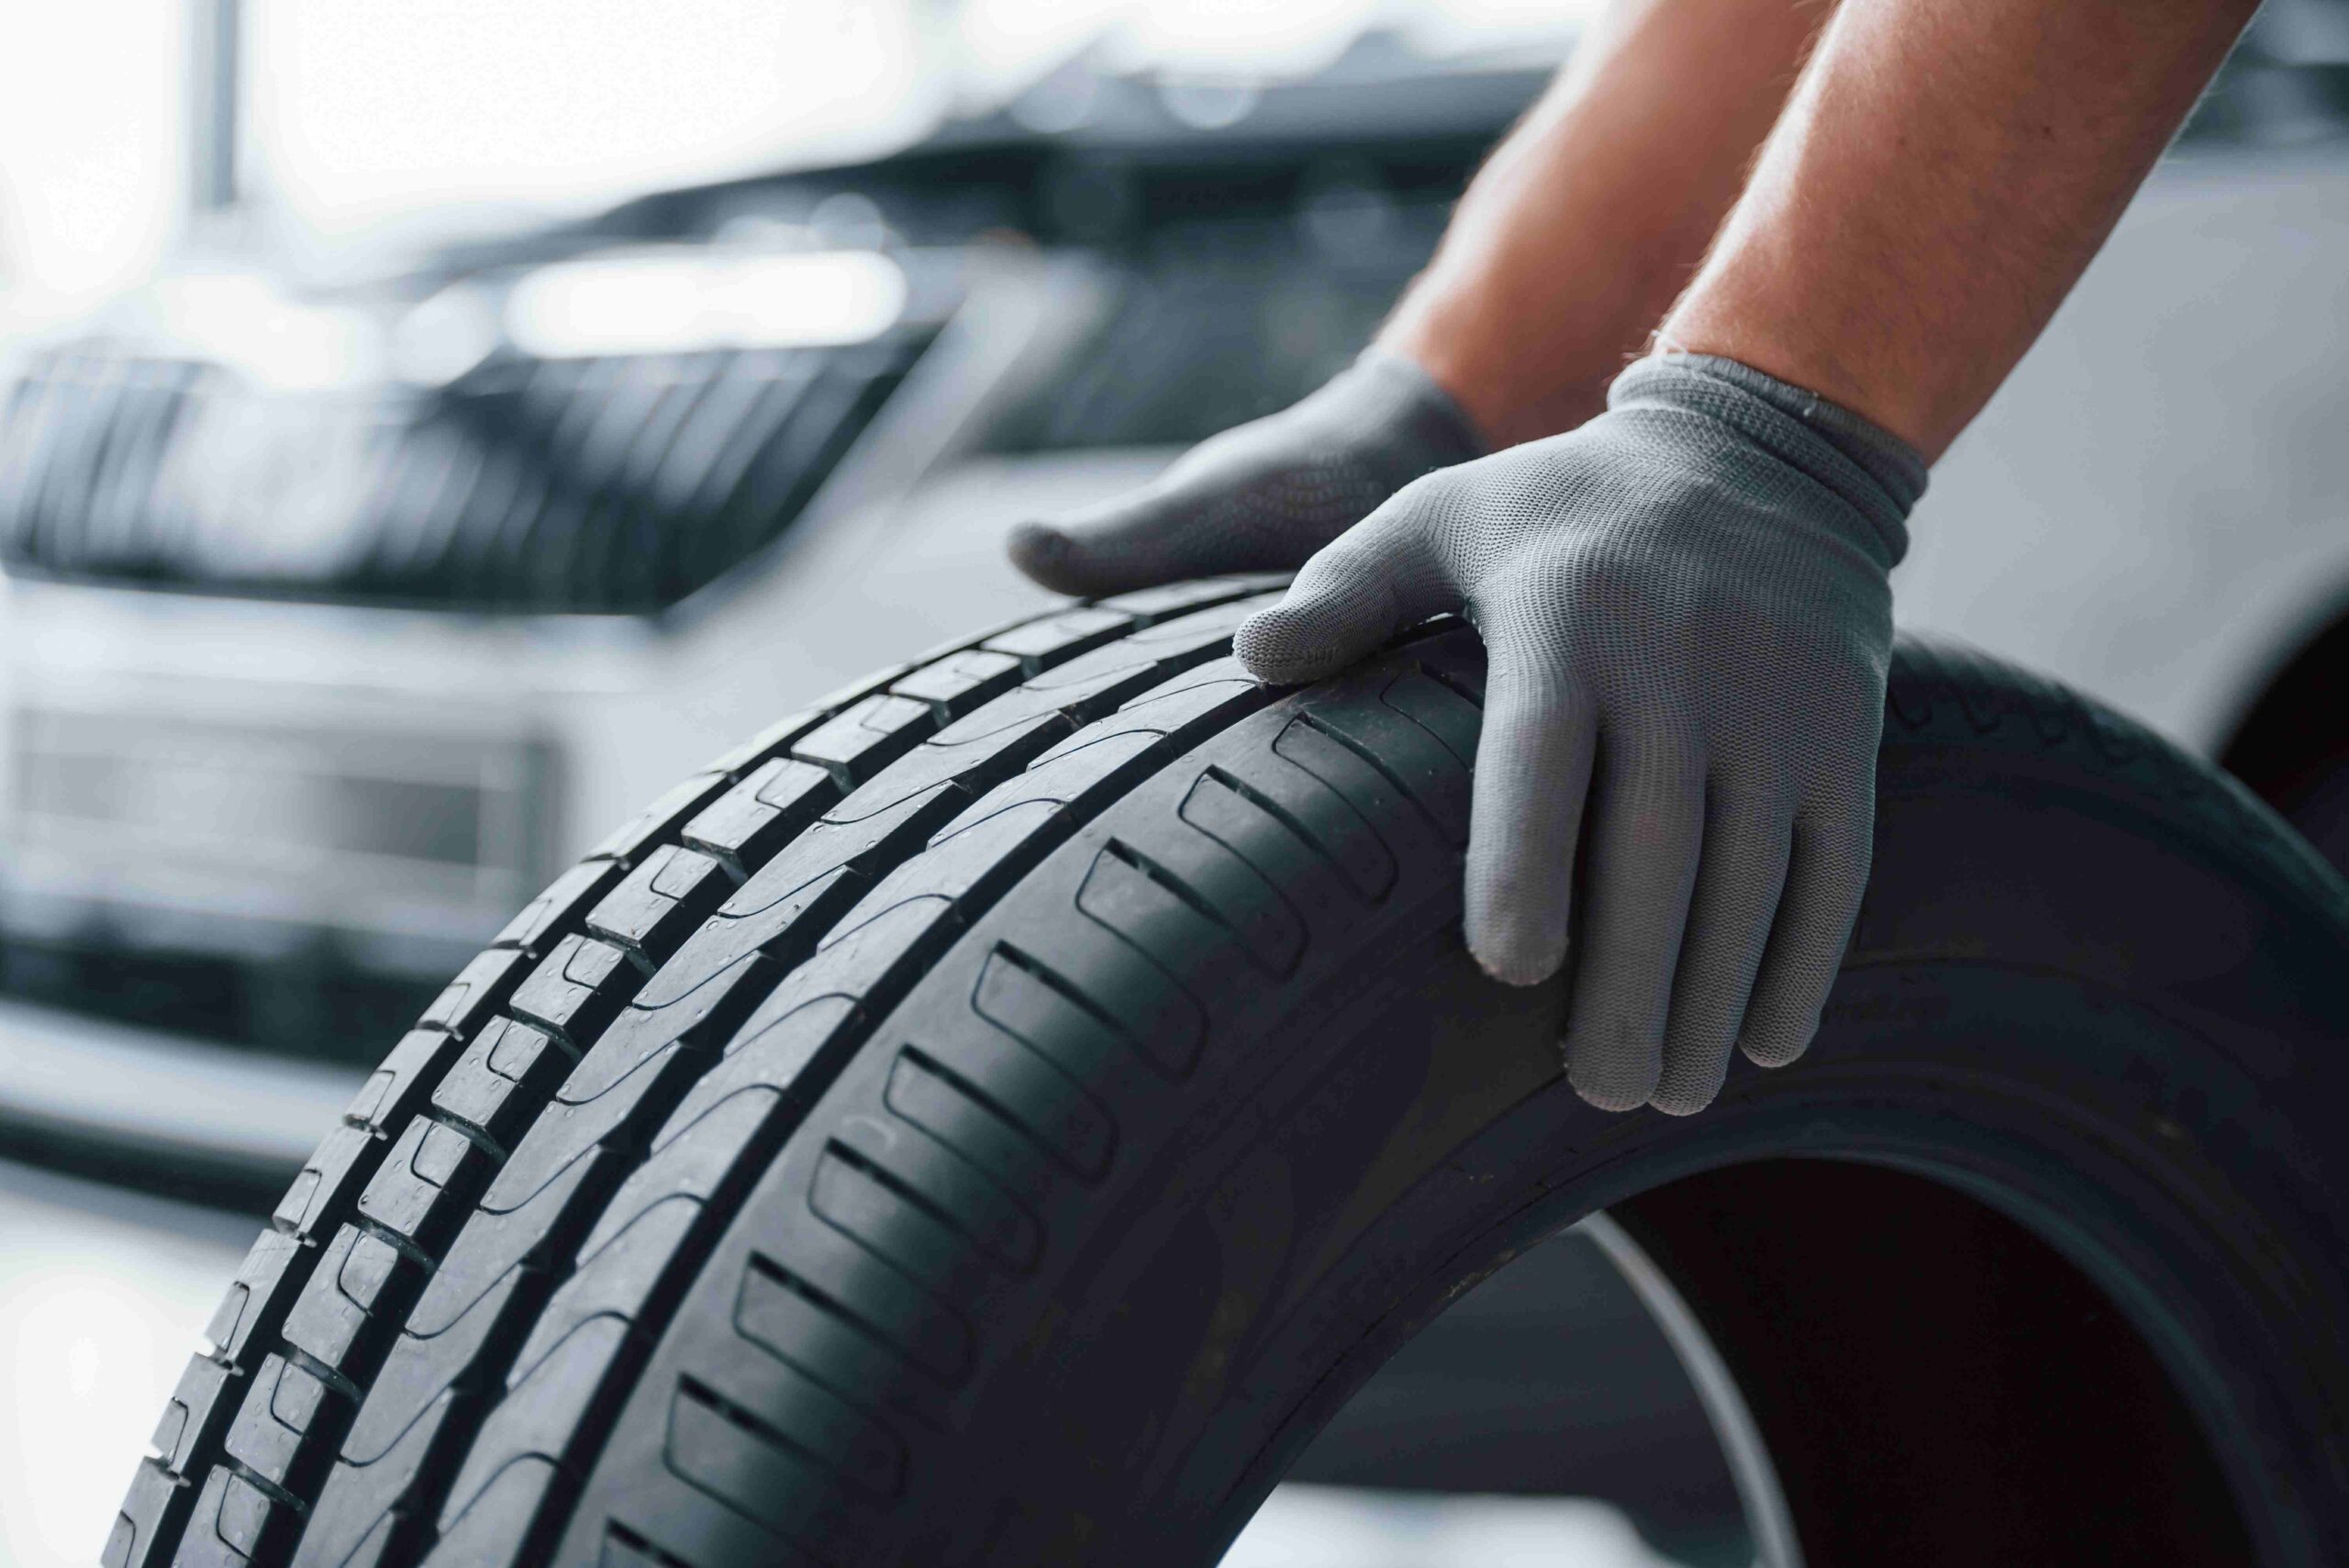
(1282, 647)
(1776, 1046)
(1516, 959)
(1045, 555)
(1607, 1088)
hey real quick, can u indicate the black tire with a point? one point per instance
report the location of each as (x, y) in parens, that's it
(998, 1118)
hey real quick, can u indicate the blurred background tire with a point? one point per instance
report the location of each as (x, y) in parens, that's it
(1002, 1113)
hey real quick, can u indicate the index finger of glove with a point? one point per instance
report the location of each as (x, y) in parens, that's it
(1533, 764)
(1167, 533)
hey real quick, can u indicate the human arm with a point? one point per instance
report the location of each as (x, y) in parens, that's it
(1570, 242)
(1685, 600)
(1940, 180)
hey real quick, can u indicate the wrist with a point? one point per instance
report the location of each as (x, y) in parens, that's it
(1812, 350)
(1874, 473)
(1524, 354)
(1462, 350)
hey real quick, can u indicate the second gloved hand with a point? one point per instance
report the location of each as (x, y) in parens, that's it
(1265, 495)
(1684, 608)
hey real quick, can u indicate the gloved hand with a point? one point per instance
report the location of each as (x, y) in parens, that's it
(1685, 608)
(1265, 495)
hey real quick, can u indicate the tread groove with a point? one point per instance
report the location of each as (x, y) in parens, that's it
(1289, 819)
(1308, 719)
(1192, 899)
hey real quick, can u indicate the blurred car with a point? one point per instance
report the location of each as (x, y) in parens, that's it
(339, 616)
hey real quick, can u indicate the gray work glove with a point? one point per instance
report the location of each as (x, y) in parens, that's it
(1684, 608)
(1265, 495)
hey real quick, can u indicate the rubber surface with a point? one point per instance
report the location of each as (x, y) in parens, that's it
(998, 1115)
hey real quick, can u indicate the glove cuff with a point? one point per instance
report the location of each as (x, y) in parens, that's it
(1878, 474)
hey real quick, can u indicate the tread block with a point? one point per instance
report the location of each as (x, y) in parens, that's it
(322, 1195)
(834, 843)
(141, 1537)
(659, 821)
(683, 1526)
(1051, 1015)
(497, 1522)
(612, 1285)
(786, 1317)
(862, 739)
(769, 742)
(870, 1205)
(1122, 893)
(725, 1451)
(394, 1089)
(701, 1019)
(280, 1432)
(1204, 873)
(781, 1404)
(234, 1522)
(426, 1184)
(868, 955)
(1040, 644)
(198, 1407)
(972, 768)
(550, 1402)
(494, 1245)
(843, 1278)
(502, 1080)
(962, 1195)
(556, 912)
(1418, 764)
(1440, 707)
(974, 863)
(424, 1372)
(955, 686)
(1283, 863)
(1149, 605)
(862, 965)
(619, 1119)
(1207, 628)
(1008, 1084)
(689, 1160)
(266, 1285)
(351, 1309)
(672, 891)
(576, 990)
(1334, 850)
(358, 1521)
(1087, 687)
(1364, 794)
(773, 1057)
(480, 988)
(1174, 705)
(1068, 777)
(1130, 994)
(744, 828)
(935, 1105)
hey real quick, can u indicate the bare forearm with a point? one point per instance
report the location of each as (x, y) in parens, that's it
(1940, 180)
(1593, 213)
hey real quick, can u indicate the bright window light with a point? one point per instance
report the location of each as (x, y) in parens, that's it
(650, 302)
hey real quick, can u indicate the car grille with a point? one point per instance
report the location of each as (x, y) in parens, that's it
(616, 484)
